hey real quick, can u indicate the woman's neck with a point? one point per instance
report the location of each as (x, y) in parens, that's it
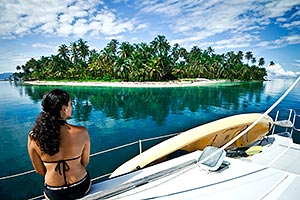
(62, 121)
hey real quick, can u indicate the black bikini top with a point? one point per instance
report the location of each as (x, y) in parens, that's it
(62, 167)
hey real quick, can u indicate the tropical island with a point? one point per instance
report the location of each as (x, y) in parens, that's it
(157, 61)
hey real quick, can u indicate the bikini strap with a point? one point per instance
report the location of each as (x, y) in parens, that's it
(62, 167)
(57, 161)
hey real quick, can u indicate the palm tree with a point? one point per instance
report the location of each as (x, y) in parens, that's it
(29, 68)
(175, 52)
(74, 53)
(83, 49)
(162, 64)
(248, 56)
(92, 55)
(217, 66)
(108, 57)
(95, 67)
(239, 57)
(229, 65)
(112, 46)
(122, 66)
(125, 50)
(253, 60)
(210, 50)
(63, 52)
(261, 62)
(160, 45)
(56, 68)
(44, 65)
(64, 56)
(195, 69)
(140, 59)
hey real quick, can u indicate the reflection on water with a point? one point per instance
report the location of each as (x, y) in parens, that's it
(157, 103)
(116, 116)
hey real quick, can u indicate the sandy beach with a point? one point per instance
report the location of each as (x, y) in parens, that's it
(182, 83)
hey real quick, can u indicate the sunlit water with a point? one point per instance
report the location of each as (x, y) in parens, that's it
(116, 116)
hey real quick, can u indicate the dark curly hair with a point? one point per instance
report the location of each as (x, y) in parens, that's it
(46, 131)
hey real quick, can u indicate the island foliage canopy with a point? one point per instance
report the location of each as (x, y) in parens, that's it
(154, 61)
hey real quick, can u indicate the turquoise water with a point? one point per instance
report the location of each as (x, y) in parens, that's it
(116, 116)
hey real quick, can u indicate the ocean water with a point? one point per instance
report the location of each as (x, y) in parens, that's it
(116, 116)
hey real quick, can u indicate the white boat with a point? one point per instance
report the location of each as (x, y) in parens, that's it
(272, 173)
(268, 168)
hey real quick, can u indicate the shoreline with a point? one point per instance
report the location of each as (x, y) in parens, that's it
(183, 83)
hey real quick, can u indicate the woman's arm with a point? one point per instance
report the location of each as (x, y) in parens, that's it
(35, 158)
(86, 149)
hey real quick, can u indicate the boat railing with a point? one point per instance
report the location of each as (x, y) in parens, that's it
(297, 123)
(140, 146)
(286, 119)
(140, 142)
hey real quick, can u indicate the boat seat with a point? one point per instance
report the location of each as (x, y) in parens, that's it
(284, 123)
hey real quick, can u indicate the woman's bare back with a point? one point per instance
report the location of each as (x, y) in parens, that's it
(68, 165)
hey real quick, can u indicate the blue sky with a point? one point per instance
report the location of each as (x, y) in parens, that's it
(268, 28)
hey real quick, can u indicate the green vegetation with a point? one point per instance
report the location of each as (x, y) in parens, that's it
(157, 61)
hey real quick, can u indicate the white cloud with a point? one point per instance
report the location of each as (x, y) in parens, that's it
(297, 64)
(115, 37)
(18, 59)
(63, 18)
(240, 41)
(202, 16)
(80, 27)
(192, 19)
(65, 29)
(120, 1)
(168, 8)
(291, 25)
(278, 8)
(197, 20)
(44, 46)
(281, 42)
(277, 71)
(237, 42)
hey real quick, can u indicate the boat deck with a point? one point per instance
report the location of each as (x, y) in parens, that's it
(280, 153)
(258, 177)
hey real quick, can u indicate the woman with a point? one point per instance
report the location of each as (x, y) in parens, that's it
(58, 150)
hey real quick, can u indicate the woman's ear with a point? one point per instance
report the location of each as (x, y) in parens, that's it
(64, 108)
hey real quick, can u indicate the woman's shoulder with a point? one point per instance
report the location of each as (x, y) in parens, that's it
(31, 137)
(31, 142)
(78, 129)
